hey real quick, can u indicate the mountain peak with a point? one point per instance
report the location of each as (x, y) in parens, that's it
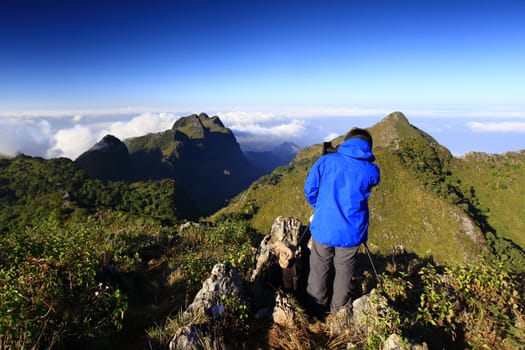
(395, 127)
(196, 126)
(109, 143)
(191, 125)
(108, 159)
(396, 118)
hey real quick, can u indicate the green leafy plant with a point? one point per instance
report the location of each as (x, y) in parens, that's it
(49, 290)
(439, 304)
(483, 301)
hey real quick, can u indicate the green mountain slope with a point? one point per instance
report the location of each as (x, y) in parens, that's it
(422, 202)
(200, 154)
(499, 184)
(33, 189)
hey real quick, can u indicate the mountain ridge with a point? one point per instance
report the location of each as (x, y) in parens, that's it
(198, 152)
(423, 201)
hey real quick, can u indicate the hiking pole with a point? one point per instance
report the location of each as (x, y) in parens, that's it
(301, 237)
(303, 234)
(372, 263)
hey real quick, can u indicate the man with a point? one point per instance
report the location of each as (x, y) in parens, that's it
(337, 187)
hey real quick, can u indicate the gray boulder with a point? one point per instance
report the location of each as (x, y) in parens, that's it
(186, 337)
(394, 342)
(368, 308)
(206, 305)
(281, 244)
(223, 280)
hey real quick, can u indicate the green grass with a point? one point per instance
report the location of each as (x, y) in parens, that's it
(499, 184)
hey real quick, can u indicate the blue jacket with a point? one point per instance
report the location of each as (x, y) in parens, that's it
(337, 187)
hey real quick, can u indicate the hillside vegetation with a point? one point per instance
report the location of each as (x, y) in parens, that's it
(198, 153)
(427, 200)
(87, 263)
(498, 182)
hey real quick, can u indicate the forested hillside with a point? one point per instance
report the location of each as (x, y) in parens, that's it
(199, 153)
(34, 188)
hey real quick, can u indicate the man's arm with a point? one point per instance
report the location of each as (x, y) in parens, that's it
(375, 176)
(311, 185)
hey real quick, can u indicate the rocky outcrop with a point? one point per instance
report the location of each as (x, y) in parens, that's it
(207, 304)
(279, 262)
(186, 337)
(287, 312)
(288, 318)
(368, 308)
(281, 244)
(223, 281)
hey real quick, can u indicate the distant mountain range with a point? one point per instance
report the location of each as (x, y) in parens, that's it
(267, 161)
(198, 152)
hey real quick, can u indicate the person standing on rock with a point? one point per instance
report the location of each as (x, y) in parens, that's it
(337, 187)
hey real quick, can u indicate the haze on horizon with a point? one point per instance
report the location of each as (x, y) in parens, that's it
(301, 71)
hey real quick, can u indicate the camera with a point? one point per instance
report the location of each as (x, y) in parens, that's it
(328, 148)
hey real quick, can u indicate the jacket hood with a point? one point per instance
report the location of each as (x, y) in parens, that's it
(357, 148)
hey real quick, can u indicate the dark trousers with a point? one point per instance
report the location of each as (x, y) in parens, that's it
(322, 259)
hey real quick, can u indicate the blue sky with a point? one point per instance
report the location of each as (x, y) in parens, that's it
(299, 70)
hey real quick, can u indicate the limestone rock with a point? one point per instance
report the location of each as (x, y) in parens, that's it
(186, 338)
(340, 322)
(394, 342)
(367, 308)
(282, 243)
(183, 228)
(286, 229)
(223, 280)
(286, 311)
(207, 305)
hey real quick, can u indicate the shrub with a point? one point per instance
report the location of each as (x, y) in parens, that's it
(481, 300)
(49, 289)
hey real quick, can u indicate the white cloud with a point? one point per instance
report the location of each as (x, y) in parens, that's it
(37, 137)
(258, 130)
(515, 127)
(141, 125)
(331, 136)
(72, 142)
(293, 128)
(24, 136)
(240, 117)
(258, 134)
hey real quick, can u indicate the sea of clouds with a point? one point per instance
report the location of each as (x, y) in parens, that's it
(51, 134)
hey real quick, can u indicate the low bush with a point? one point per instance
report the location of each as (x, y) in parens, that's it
(49, 288)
